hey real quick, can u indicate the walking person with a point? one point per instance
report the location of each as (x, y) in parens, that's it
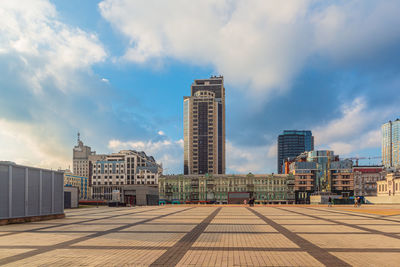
(329, 202)
(355, 202)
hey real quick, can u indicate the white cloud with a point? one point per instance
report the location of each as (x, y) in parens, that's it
(358, 128)
(29, 144)
(161, 133)
(105, 80)
(44, 60)
(254, 159)
(167, 152)
(49, 49)
(259, 46)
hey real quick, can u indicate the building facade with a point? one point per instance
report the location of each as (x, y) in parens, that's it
(128, 167)
(291, 144)
(264, 188)
(390, 186)
(82, 160)
(366, 178)
(81, 182)
(391, 143)
(204, 127)
(321, 172)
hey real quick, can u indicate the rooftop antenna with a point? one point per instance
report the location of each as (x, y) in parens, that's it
(79, 137)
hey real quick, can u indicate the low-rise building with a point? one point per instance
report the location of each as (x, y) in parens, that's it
(81, 182)
(366, 178)
(390, 186)
(264, 188)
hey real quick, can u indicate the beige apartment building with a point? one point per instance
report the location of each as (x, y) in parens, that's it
(204, 127)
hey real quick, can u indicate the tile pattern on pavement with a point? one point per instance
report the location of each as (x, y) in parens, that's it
(207, 236)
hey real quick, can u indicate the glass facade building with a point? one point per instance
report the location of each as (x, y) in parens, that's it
(291, 144)
(391, 143)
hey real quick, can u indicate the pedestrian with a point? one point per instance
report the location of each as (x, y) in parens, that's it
(359, 202)
(355, 202)
(329, 201)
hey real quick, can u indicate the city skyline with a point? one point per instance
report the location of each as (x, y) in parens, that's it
(117, 71)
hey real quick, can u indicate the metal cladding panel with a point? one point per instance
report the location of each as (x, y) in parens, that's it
(18, 192)
(58, 193)
(4, 194)
(46, 192)
(33, 192)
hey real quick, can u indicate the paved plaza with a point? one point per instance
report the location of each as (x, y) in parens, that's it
(208, 236)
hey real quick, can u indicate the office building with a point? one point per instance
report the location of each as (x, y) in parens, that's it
(232, 189)
(291, 144)
(204, 127)
(391, 143)
(80, 182)
(127, 167)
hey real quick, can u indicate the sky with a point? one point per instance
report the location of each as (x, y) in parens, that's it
(117, 70)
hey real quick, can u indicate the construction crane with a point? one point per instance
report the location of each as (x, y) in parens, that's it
(358, 158)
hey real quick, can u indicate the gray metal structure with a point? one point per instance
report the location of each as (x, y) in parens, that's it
(27, 191)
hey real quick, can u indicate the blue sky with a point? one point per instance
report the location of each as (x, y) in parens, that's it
(117, 71)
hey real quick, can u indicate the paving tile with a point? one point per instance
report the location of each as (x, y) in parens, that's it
(82, 227)
(239, 228)
(247, 258)
(20, 227)
(156, 228)
(38, 239)
(364, 221)
(247, 240)
(390, 228)
(255, 220)
(369, 258)
(133, 239)
(306, 222)
(11, 252)
(205, 236)
(322, 228)
(92, 257)
(352, 241)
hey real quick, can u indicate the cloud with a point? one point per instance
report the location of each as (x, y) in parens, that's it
(259, 46)
(245, 159)
(161, 133)
(105, 80)
(167, 151)
(49, 50)
(357, 128)
(28, 144)
(47, 83)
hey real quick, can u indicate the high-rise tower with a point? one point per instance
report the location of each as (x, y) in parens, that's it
(391, 143)
(292, 143)
(204, 127)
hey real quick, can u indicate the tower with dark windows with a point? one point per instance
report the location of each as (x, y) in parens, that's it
(204, 127)
(291, 144)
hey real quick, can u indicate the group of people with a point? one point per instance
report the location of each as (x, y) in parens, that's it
(250, 202)
(357, 202)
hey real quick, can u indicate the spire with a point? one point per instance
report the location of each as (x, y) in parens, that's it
(79, 137)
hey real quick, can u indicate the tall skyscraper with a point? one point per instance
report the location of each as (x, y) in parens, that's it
(391, 143)
(204, 127)
(292, 143)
